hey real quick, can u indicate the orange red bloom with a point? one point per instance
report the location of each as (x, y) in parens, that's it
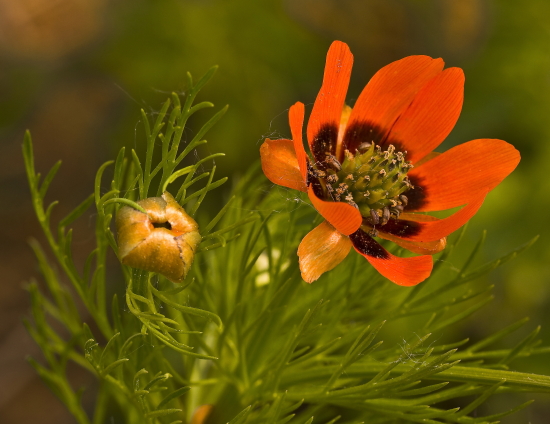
(372, 168)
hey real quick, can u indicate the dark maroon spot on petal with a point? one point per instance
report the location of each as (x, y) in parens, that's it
(416, 196)
(401, 228)
(366, 132)
(324, 142)
(367, 245)
(312, 180)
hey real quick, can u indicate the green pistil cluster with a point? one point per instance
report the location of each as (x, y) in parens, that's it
(371, 180)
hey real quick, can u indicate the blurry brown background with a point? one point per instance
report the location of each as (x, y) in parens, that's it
(77, 72)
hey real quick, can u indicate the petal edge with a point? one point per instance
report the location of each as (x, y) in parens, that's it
(280, 164)
(342, 216)
(402, 271)
(322, 249)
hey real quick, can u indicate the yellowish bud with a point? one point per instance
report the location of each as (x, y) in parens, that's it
(163, 240)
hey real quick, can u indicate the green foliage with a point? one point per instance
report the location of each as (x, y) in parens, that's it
(244, 332)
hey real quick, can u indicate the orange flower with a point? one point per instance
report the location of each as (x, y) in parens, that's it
(372, 167)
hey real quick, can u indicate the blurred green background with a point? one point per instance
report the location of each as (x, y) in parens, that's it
(77, 72)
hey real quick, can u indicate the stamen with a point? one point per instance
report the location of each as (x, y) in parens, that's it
(370, 179)
(331, 161)
(364, 146)
(333, 178)
(385, 216)
(374, 217)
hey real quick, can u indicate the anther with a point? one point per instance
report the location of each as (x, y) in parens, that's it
(333, 178)
(404, 199)
(382, 172)
(366, 193)
(391, 149)
(396, 213)
(333, 162)
(385, 216)
(364, 146)
(350, 177)
(374, 217)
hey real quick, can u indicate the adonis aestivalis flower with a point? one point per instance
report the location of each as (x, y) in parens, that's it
(372, 168)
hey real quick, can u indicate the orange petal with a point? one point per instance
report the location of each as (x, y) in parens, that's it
(296, 118)
(420, 247)
(459, 175)
(322, 128)
(430, 117)
(427, 158)
(342, 216)
(415, 227)
(321, 250)
(439, 228)
(344, 118)
(401, 271)
(390, 91)
(280, 164)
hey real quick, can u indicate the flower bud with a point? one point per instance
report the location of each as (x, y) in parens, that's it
(163, 240)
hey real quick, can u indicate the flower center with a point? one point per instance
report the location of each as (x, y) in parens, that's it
(372, 180)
